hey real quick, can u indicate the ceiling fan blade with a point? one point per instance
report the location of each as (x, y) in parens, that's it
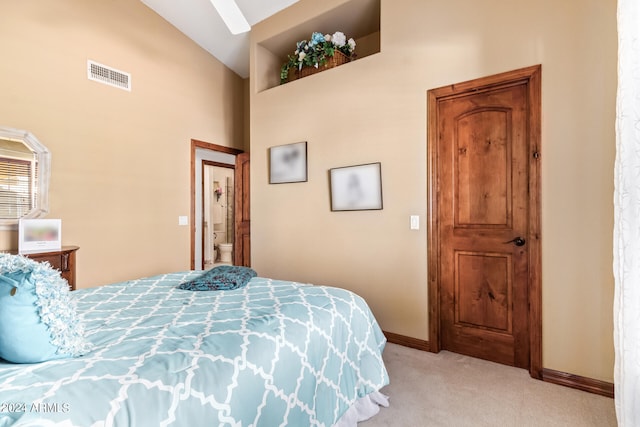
(232, 16)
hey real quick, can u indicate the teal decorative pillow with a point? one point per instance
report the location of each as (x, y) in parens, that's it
(38, 319)
(223, 277)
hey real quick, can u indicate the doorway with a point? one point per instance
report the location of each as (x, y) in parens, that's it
(484, 219)
(217, 195)
(217, 214)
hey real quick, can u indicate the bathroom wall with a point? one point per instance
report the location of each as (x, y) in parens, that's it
(222, 212)
(208, 208)
(230, 208)
(218, 211)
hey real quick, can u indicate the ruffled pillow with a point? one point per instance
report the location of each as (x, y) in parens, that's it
(223, 277)
(38, 319)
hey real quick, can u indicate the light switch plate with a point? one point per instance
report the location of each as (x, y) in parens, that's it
(183, 220)
(415, 222)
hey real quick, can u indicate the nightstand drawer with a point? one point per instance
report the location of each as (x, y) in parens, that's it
(59, 261)
(63, 260)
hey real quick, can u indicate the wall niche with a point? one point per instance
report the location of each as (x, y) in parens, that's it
(357, 19)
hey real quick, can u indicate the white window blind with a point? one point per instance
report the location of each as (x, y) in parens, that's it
(17, 179)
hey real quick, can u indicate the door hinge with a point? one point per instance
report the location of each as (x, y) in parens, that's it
(536, 155)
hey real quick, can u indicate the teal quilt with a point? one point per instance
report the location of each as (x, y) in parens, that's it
(273, 353)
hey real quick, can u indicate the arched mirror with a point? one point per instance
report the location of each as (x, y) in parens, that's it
(24, 177)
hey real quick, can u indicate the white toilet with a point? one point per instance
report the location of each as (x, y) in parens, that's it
(225, 252)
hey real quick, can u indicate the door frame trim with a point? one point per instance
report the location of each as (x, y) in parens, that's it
(195, 144)
(531, 76)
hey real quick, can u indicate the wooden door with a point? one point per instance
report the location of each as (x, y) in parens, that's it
(242, 250)
(486, 218)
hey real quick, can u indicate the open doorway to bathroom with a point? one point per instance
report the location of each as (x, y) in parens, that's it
(214, 192)
(217, 214)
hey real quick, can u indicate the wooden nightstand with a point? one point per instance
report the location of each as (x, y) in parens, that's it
(63, 260)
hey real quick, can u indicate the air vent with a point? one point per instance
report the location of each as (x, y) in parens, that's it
(107, 75)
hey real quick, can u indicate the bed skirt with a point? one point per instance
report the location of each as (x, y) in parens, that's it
(364, 408)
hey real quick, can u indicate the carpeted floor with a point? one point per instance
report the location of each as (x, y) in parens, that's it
(448, 389)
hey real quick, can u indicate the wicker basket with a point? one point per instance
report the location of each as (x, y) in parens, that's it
(338, 58)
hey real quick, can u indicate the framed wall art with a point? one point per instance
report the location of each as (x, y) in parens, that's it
(288, 163)
(355, 188)
(39, 235)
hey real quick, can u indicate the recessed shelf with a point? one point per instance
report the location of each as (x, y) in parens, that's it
(359, 19)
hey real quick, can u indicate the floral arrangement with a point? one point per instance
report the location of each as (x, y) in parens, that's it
(316, 51)
(218, 192)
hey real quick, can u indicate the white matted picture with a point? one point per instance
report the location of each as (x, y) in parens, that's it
(355, 188)
(39, 235)
(288, 163)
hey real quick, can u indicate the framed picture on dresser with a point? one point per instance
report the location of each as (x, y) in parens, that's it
(39, 235)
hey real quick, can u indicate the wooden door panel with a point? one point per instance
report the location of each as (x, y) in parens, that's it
(479, 318)
(483, 193)
(483, 189)
(483, 291)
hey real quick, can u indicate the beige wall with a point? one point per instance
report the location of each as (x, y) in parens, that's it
(120, 160)
(374, 109)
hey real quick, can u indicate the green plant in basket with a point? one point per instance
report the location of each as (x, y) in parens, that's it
(316, 52)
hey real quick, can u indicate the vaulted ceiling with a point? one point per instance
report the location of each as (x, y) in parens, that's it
(199, 20)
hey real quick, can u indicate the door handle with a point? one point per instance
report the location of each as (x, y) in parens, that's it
(518, 241)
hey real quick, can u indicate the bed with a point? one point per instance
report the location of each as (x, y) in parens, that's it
(271, 353)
